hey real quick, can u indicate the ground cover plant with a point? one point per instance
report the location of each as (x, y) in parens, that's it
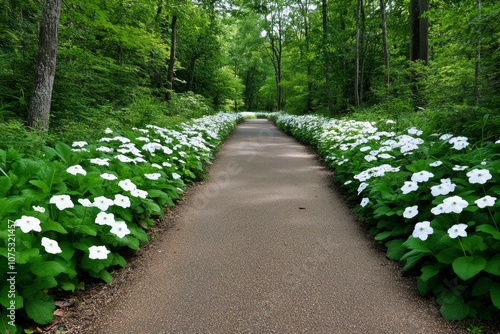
(74, 211)
(432, 198)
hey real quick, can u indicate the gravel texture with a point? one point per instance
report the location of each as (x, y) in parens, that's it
(263, 246)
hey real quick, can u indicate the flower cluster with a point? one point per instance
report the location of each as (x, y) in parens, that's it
(431, 198)
(80, 205)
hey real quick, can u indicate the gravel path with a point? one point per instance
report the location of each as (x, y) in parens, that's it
(265, 246)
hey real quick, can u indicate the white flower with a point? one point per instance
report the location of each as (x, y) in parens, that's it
(480, 176)
(122, 201)
(85, 202)
(497, 142)
(108, 176)
(370, 158)
(362, 187)
(104, 218)
(444, 188)
(365, 148)
(458, 168)
(28, 224)
(100, 162)
(39, 209)
(364, 202)
(105, 149)
(422, 176)
(454, 204)
(102, 203)
(127, 185)
(108, 131)
(167, 164)
(152, 176)
(347, 182)
(62, 201)
(422, 230)
(76, 169)
(409, 186)
(459, 142)
(485, 201)
(139, 193)
(119, 229)
(437, 210)
(446, 137)
(410, 212)
(51, 246)
(176, 176)
(156, 166)
(98, 252)
(124, 158)
(79, 144)
(415, 131)
(457, 230)
(436, 163)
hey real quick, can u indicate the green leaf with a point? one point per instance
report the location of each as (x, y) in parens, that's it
(27, 254)
(486, 228)
(495, 296)
(51, 225)
(468, 266)
(5, 185)
(383, 235)
(482, 286)
(41, 185)
(457, 310)
(47, 268)
(493, 265)
(40, 308)
(429, 271)
(395, 249)
(105, 276)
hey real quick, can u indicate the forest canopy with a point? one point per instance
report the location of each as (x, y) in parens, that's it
(127, 63)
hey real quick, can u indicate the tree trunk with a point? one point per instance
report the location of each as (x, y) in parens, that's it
(39, 111)
(171, 63)
(327, 57)
(385, 49)
(419, 31)
(477, 74)
(357, 51)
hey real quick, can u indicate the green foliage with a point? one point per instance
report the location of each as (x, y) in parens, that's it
(382, 165)
(79, 197)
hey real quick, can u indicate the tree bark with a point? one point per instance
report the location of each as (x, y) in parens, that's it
(419, 31)
(326, 54)
(477, 70)
(171, 62)
(39, 111)
(385, 49)
(357, 51)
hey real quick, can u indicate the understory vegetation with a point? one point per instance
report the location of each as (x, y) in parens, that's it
(432, 198)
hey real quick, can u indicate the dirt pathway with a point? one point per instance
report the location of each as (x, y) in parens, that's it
(265, 246)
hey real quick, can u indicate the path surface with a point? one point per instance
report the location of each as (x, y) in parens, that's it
(265, 246)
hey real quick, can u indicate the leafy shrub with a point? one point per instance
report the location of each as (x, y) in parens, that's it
(434, 200)
(76, 209)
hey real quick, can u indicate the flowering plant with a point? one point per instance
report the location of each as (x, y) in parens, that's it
(76, 209)
(434, 200)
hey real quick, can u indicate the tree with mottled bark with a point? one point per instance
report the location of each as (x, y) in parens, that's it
(39, 111)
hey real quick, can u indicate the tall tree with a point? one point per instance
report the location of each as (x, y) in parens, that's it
(357, 83)
(326, 55)
(385, 50)
(275, 34)
(419, 31)
(171, 62)
(39, 111)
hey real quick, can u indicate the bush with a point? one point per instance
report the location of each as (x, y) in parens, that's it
(77, 209)
(434, 200)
